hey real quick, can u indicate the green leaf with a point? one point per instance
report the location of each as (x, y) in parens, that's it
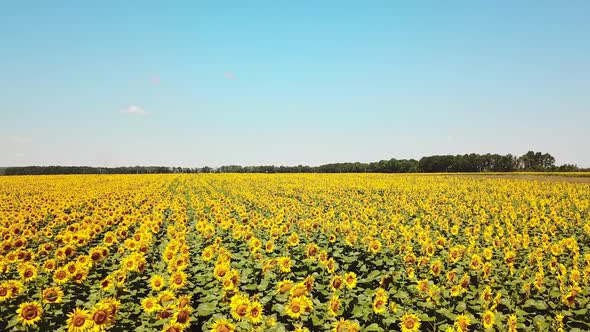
(540, 305)
(206, 309)
(447, 313)
(461, 306)
(373, 328)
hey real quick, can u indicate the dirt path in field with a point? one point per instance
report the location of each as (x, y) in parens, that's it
(548, 178)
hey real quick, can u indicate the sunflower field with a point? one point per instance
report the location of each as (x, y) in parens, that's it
(293, 252)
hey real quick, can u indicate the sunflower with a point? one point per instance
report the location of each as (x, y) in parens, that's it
(311, 250)
(487, 319)
(177, 280)
(486, 295)
(156, 282)
(61, 276)
(228, 284)
(299, 328)
(173, 327)
(336, 283)
(422, 285)
(165, 297)
(293, 239)
(49, 265)
(150, 305)
(220, 270)
(299, 289)
(79, 320)
(184, 301)
(231, 280)
(223, 325)
(331, 265)
(239, 305)
(101, 317)
(295, 307)
(511, 323)
(284, 286)
(451, 276)
(4, 291)
(323, 257)
(409, 323)
(107, 283)
(15, 288)
(375, 246)
(465, 281)
(255, 312)
(29, 313)
(332, 238)
(393, 307)
(462, 322)
(269, 246)
(569, 299)
(52, 295)
(182, 316)
(71, 268)
(308, 282)
(334, 305)
(113, 304)
(28, 272)
(379, 305)
(284, 264)
(476, 262)
(487, 269)
(558, 322)
(456, 290)
(208, 254)
(436, 268)
(350, 280)
(343, 325)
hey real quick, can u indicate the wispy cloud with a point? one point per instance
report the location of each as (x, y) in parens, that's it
(155, 79)
(19, 155)
(229, 75)
(134, 110)
(19, 140)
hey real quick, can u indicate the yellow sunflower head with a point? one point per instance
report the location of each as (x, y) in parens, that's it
(462, 322)
(255, 312)
(29, 313)
(79, 320)
(150, 305)
(156, 282)
(223, 325)
(101, 316)
(240, 306)
(350, 280)
(295, 308)
(409, 323)
(487, 319)
(52, 295)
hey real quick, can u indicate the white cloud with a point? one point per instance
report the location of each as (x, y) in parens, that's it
(134, 110)
(19, 139)
(155, 79)
(20, 155)
(229, 75)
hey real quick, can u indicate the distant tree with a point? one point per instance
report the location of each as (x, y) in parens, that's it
(530, 161)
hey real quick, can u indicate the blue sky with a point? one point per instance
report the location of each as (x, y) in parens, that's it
(291, 82)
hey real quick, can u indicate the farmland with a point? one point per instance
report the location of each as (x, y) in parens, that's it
(293, 252)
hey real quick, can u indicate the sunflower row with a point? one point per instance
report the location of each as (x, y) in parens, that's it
(228, 252)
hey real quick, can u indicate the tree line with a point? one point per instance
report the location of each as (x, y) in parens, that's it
(530, 161)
